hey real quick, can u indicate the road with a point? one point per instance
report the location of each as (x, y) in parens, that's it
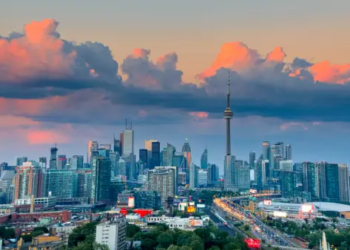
(219, 224)
(258, 228)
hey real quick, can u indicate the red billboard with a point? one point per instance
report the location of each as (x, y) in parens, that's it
(252, 243)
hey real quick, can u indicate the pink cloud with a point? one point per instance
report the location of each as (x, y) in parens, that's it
(38, 52)
(325, 72)
(45, 137)
(201, 115)
(289, 125)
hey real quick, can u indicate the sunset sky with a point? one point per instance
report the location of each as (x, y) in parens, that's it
(290, 63)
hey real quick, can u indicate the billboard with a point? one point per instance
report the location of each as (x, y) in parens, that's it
(200, 205)
(267, 202)
(307, 208)
(182, 206)
(131, 202)
(280, 214)
(195, 223)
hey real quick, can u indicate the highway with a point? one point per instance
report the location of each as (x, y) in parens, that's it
(219, 224)
(258, 228)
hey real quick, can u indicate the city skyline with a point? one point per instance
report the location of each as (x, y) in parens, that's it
(77, 97)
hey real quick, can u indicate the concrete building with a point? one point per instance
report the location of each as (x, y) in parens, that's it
(128, 141)
(112, 233)
(29, 180)
(92, 146)
(162, 180)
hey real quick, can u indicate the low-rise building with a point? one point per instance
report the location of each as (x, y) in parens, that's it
(112, 233)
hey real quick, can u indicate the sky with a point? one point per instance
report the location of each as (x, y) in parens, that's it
(73, 71)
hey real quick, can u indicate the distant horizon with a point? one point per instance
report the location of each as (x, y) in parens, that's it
(68, 76)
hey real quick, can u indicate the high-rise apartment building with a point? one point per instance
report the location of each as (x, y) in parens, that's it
(311, 179)
(332, 182)
(60, 183)
(163, 181)
(112, 232)
(83, 183)
(29, 180)
(288, 184)
(92, 147)
(76, 162)
(101, 179)
(241, 176)
(288, 154)
(229, 171)
(202, 177)
(204, 159)
(164, 157)
(343, 176)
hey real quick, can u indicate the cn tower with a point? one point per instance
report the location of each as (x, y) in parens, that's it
(228, 171)
(228, 116)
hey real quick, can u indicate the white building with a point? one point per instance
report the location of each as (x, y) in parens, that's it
(177, 222)
(128, 142)
(45, 201)
(202, 177)
(112, 233)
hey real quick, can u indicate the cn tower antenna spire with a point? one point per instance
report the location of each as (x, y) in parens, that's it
(228, 88)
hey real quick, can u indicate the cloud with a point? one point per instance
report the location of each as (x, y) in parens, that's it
(46, 137)
(47, 79)
(290, 125)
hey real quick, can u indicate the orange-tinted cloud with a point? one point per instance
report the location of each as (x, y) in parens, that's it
(39, 51)
(234, 56)
(201, 115)
(325, 72)
(45, 137)
(277, 55)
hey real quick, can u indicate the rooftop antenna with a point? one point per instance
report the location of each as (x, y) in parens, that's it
(126, 123)
(130, 124)
(54, 141)
(228, 88)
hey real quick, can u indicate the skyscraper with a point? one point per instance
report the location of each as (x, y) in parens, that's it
(128, 141)
(170, 154)
(311, 180)
(194, 176)
(279, 146)
(53, 158)
(213, 174)
(155, 156)
(101, 179)
(204, 159)
(229, 159)
(251, 160)
(266, 150)
(343, 172)
(29, 180)
(186, 150)
(148, 146)
(288, 154)
(92, 146)
(76, 162)
(62, 161)
(116, 146)
(143, 156)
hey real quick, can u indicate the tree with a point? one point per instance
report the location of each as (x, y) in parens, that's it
(231, 246)
(165, 239)
(197, 245)
(173, 247)
(131, 230)
(149, 244)
(214, 248)
(27, 238)
(203, 233)
(185, 248)
(7, 233)
(82, 233)
(246, 227)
